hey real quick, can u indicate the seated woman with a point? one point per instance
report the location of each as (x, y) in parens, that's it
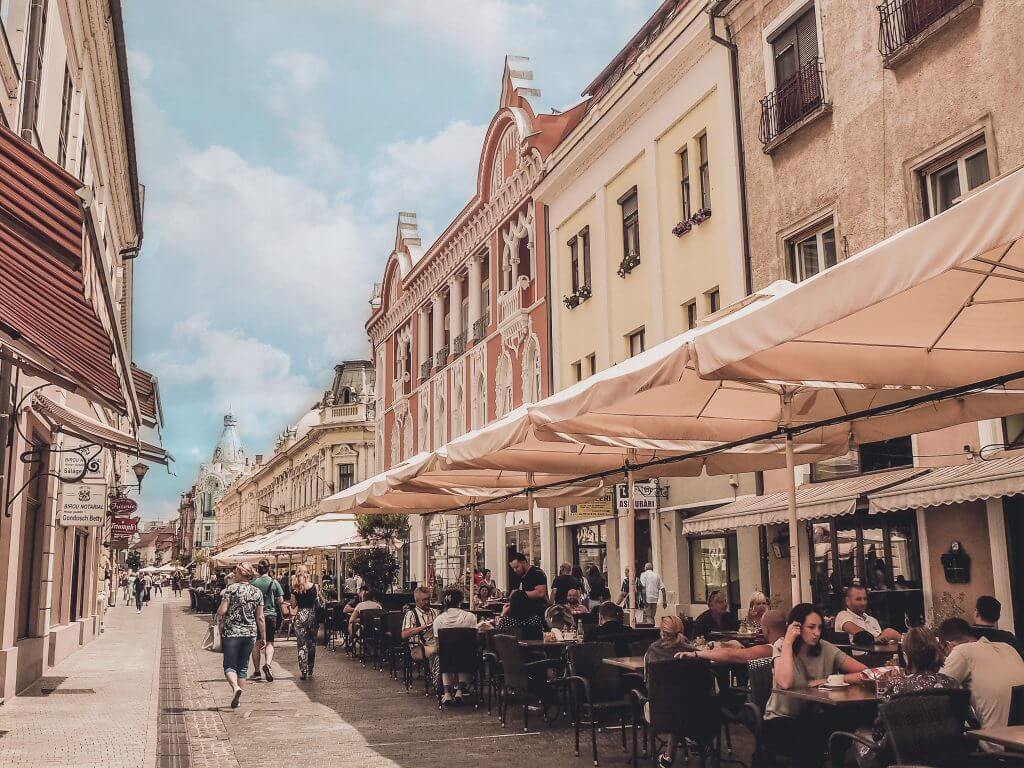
(756, 609)
(671, 642)
(803, 659)
(924, 659)
(560, 617)
(519, 617)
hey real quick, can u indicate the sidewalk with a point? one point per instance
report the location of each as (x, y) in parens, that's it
(97, 708)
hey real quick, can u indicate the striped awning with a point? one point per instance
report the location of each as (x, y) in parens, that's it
(813, 501)
(976, 480)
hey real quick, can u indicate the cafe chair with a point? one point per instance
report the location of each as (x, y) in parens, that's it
(694, 719)
(639, 647)
(367, 634)
(1016, 705)
(527, 682)
(760, 681)
(395, 648)
(457, 650)
(595, 690)
(835, 637)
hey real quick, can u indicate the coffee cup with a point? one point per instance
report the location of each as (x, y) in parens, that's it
(834, 680)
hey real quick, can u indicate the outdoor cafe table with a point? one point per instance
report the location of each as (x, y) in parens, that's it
(1009, 736)
(628, 663)
(833, 697)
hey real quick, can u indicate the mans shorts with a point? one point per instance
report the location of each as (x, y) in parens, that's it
(271, 626)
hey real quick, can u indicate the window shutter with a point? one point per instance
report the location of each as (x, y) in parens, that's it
(806, 38)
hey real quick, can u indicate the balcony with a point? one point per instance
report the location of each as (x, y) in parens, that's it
(459, 344)
(441, 358)
(801, 100)
(480, 326)
(904, 24)
(425, 368)
(347, 412)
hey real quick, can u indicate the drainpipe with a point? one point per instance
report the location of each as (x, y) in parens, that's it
(734, 66)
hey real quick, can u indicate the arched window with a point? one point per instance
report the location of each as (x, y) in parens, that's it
(480, 401)
(458, 411)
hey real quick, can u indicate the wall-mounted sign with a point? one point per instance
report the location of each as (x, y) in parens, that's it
(80, 460)
(593, 509)
(645, 496)
(121, 527)
(122, 505)
(83, 504)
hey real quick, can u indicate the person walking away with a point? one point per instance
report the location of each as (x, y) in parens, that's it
(453, 617)
(273, 600)
(140, 592)
(241, 625)
(158, 586)
(598, 588)
(562, 583)
(581, 581)
(305, 597)
(654, 592)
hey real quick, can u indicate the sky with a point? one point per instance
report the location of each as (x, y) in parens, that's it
(277, 141)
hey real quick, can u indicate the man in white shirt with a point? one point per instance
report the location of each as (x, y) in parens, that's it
(454, 617)
(856, 619)
(654, 592)
(988, 669)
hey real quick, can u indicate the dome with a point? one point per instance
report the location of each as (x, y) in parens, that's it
(229, 448)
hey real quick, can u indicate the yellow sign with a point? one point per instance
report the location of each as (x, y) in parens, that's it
(595, 509)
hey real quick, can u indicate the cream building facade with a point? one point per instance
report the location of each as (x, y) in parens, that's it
(645, 209)
(330, 448)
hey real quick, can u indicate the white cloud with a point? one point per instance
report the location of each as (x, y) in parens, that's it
(140, 64)
(305, 70)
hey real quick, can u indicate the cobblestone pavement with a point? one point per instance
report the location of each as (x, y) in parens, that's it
(98, 707)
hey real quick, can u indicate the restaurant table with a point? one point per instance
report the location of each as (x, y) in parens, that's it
(885, 648)
(628, 663)
(1009, 736)
(535, 644)
(833, 697)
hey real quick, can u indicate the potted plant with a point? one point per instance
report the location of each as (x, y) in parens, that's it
(584, 292)
(682, 227)
(571, 301)
(701, 216)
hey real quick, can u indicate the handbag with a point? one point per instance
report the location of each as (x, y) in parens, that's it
(212, 641)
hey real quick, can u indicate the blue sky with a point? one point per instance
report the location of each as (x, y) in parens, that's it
(277, 141)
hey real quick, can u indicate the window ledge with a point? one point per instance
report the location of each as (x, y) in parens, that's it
(811, 117)
(906, 51)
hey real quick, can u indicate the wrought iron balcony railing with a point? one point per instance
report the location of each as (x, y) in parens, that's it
(900, 22)
(459, 344)
(480, 326)
(798, 97)
(441, 359)
(425, 367)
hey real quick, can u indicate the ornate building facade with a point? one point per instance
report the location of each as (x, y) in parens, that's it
(459, 331)
(330, 448)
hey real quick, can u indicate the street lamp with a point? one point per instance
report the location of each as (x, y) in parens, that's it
(140, 471)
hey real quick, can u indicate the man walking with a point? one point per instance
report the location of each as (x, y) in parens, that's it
(654, 592)
(273, 599)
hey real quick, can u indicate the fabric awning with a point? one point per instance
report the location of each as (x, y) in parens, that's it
(813, 500)
(79, 425)
(973, 481)
(49, 295)
(148, 390)
(937, 304)
(328, 531)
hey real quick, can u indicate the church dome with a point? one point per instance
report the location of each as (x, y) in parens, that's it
(229, 448)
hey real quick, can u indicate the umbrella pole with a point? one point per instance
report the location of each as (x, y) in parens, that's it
(472, 557)
(794, 550)
(529, 514)
(337, 571)
(424, 548)
(631, 535)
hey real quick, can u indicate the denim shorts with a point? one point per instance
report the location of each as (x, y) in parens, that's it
(237, 651)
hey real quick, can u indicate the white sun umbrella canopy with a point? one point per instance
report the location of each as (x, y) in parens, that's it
(329, 531)
(938, 304)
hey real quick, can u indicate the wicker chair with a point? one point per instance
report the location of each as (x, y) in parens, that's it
(596, 690)
(458, 653)
(526, 681)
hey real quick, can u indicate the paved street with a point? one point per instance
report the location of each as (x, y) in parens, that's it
(145, 694)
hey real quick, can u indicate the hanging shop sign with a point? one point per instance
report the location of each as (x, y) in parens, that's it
(645, 496)
(80, 461)
(124, 527)
(593, 509)
(83, 504)
(122, 505)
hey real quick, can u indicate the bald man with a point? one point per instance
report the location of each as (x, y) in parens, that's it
(773, 624)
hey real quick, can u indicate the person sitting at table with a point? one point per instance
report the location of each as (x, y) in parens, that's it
(855, 617)
(368, 602)
(611, 628)
(454, 617)
(924, 658)
(520, 616)
(717, 617)
(575, 603)
(483, 595)
(418, 626)
(755, 610)
(773, 625)
(562, 583)
(670, 643)
(987, 611)
(559, 617)
(988, 669)
(802, 660)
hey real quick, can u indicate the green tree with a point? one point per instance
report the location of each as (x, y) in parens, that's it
(133, 560)
(377, 567)
(385, 529)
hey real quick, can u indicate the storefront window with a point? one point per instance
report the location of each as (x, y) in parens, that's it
(713, 566)
(516, 540)
(590, 546)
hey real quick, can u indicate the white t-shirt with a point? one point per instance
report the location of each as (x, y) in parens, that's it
(455, 618)
(865, 622)
(989, 670)
(650, 582)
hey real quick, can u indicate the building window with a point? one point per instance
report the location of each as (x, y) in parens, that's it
(635, 342)
(65, 118)
(346, 476)
(1013, 430)
(584, 237)
(799, 77)
(81, 163)
(812, 251)
(630, 226)
(574, 264)
(591, 364)
(684, 162)
(868, 457)
(690, 315)
(590, 546)
(714, 300)
(943, 182)
(705, 174)
(577, 371)
(713, 566)
(794, 47)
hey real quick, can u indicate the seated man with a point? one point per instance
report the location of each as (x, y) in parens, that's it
(773, 624)
(612, 629)
(988, 669)
(717, 618)
(418, 627)
(574, 602)
(559, 617)
(855, 617)
(454, 617)
(986, 616)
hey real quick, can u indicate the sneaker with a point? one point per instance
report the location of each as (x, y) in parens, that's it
(256, 677)
(235, 699)
(266, 673)
(664, 761)
(446, 699)
(302, 676)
